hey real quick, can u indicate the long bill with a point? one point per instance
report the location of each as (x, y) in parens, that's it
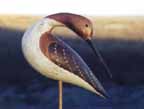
(97, 53)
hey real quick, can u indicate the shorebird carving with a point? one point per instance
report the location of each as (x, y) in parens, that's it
(55, 59)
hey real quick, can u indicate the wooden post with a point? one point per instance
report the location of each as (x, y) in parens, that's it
(60, 94)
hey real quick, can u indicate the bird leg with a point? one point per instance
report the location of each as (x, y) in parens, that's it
(60, 94)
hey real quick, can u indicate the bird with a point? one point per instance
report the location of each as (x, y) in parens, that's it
(53, 58)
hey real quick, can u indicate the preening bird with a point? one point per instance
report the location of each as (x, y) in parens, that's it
(54, 59)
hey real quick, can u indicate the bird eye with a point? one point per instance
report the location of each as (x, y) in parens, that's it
(86, 25)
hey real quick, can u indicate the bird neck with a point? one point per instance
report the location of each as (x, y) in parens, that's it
(35, 39)
(32, 36)
(46, 25)
(41, 34)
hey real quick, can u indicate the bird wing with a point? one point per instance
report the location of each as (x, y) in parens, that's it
(64, 56)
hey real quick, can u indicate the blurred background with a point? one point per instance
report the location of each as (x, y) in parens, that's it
(118, 34)
(120, 41)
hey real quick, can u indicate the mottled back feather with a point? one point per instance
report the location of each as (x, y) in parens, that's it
(64, 56)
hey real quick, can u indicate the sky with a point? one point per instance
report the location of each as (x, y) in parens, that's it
(86, 7)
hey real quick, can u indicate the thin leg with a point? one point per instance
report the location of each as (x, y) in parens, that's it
(60, 94)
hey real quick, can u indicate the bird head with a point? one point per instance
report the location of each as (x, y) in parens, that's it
(79, 24)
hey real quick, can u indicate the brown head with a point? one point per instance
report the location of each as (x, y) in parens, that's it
(82, 27)
(79, 24)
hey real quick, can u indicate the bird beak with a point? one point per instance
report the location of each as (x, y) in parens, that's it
(97, 53)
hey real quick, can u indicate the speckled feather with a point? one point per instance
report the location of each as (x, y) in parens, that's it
(65, 57)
